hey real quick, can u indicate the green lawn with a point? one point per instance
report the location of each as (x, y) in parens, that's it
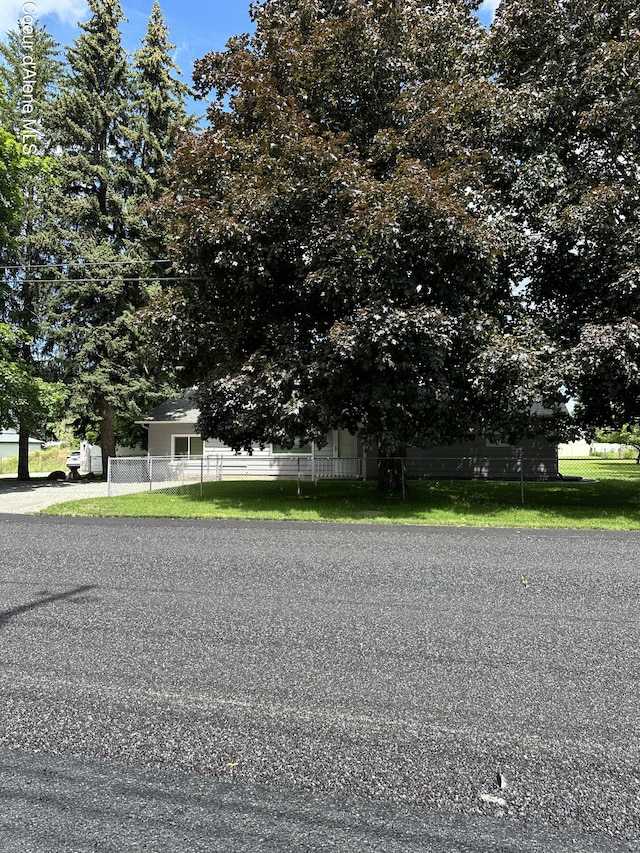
(609, 500)
(594, 467)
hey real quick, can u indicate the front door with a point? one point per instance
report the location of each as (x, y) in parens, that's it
(345, 454)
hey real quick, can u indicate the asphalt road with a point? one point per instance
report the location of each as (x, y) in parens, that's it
(180, 685)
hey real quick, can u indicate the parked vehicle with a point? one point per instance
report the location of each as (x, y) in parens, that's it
(74, 460)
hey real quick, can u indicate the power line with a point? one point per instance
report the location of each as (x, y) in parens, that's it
(82, 264)
(152, 278)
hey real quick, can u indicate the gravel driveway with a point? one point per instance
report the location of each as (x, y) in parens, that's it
(40, 493)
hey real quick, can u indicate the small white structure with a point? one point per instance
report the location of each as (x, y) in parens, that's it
(574, 448)
(90, 459)
(172, 435)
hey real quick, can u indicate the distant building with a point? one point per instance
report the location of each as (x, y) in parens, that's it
(9, 443)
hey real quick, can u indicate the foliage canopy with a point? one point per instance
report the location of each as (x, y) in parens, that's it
(572, 72)
(346, 241)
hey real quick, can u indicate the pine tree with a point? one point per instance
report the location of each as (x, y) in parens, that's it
(103, 285)
(161, 121)
(160, 102)
(31, 93)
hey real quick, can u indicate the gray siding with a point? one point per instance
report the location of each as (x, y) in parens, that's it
(479, 459)
(475, 459)
(160, 436)
(160, 443)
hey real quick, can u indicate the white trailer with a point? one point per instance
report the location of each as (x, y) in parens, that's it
(90, 459)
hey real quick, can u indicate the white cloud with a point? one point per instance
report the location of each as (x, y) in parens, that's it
(67, 12)
(488, 9)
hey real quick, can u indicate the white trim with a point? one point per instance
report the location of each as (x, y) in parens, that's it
(175, 421)
(189, 437)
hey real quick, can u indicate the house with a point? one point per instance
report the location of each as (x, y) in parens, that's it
(172, 434)
(9, 443)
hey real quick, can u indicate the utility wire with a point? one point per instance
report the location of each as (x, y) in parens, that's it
(81, 264)
(104, 278)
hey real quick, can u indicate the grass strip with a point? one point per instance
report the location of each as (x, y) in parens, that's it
(612, 504)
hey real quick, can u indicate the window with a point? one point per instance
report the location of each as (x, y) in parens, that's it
(186, 445)
(297, 448)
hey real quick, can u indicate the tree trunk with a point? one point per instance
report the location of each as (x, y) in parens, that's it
(107, 433)
(23, 453)
(391, 475)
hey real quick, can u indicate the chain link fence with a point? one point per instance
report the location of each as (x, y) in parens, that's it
(513, 479)
(129, 474)
(175, 474)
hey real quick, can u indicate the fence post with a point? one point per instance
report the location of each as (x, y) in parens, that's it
(201, 474)
(109, 477)
(150, 473)
(521, 462)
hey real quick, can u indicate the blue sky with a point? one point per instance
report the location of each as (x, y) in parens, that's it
(196, 26)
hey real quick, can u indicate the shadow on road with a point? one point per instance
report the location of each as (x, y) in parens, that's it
(7, 615)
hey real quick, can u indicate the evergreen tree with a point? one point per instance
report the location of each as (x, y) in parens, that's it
(29, 88)
(162, 120)
(160, 102)
(104, 282)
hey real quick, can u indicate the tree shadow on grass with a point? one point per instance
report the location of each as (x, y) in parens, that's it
(428, 501)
